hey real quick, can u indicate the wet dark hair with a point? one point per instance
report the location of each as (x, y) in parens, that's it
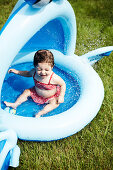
(43, 56)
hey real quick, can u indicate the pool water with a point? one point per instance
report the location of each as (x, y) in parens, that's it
(14, 85)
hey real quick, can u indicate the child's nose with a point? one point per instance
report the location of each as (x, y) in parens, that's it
(43, 71)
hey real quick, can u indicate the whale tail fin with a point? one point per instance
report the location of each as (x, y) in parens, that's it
(95, 55)
(9, 151)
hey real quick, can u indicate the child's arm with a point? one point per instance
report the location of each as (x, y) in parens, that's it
(62, 91)
(22, 73)
(61, 83)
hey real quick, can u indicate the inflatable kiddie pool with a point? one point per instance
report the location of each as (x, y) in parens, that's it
(50, 27)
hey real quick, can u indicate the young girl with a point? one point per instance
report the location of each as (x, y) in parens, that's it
(49, 88)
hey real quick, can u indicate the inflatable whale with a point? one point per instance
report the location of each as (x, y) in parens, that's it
(51, 26)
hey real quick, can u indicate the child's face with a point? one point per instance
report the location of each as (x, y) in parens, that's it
(43, 69)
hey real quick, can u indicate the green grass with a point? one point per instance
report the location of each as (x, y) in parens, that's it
(91, 148)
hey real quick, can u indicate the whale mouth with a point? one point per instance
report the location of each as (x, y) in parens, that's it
(51, 36)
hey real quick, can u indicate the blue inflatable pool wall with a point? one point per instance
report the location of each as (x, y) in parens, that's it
(49, 25)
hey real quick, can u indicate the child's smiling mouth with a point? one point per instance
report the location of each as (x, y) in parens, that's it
(43, 75)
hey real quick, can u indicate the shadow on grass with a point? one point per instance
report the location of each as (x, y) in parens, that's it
(4, 2)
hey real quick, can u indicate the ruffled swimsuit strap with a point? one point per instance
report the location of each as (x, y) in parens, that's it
(51, 77)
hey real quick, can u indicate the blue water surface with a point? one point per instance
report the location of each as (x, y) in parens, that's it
(14, 85)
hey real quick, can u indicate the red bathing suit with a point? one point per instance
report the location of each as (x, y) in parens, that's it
(39, 99)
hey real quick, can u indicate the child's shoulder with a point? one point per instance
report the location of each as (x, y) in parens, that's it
(56, 78)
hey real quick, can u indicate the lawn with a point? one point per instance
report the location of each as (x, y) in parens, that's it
(91, 148)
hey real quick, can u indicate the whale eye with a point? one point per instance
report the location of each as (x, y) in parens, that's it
(38, 3)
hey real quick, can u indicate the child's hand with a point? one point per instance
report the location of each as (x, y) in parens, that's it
(13, 71)
(60, 99)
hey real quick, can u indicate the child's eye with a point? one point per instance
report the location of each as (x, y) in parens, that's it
(38, 69)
